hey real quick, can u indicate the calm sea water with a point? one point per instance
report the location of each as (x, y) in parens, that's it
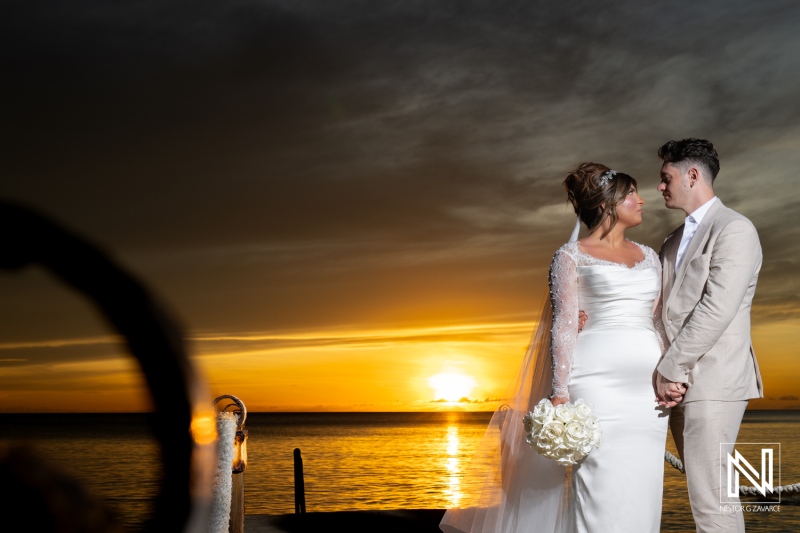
(352, 461)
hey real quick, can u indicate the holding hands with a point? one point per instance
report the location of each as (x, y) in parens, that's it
(668, 393)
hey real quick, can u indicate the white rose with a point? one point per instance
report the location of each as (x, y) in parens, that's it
(527, 422)
(583, 410)
(586, 447)
(544, 405)
(543, 411)
(596, 438)
(544, 446)
(564, 456)
(550, 437)
(574, 434)
(543, 420)
(553, 431)
(563, 413)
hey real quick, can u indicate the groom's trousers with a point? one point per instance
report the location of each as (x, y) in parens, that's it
(699, 428)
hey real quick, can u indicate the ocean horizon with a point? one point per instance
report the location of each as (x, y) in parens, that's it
(352, 460)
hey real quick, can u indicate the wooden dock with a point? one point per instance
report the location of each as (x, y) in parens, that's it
(399, 521)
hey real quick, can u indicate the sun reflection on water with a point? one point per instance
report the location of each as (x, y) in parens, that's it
(453, 491)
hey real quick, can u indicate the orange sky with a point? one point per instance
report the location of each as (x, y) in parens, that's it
(378, 370)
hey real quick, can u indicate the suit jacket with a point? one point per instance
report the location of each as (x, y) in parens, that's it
(706, 308)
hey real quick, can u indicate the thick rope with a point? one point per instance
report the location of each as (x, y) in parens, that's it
(749, 491)
(223, 483)
(674, 461)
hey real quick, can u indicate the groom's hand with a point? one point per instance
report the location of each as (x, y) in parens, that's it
(668, 393)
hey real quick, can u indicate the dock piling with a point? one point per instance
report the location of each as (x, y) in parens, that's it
(299, 484)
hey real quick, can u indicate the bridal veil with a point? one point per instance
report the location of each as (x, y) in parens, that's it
(508, 487)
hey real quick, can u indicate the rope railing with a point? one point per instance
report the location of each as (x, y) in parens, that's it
(746, 491)
(227, 509)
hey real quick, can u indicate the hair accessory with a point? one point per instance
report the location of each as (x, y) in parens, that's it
(606, 176)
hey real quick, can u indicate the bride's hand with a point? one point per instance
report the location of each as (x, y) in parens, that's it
(582, 318)
(558, 400)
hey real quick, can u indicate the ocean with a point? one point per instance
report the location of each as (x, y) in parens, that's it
(352, 461)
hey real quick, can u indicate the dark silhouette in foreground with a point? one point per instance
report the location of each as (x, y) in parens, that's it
(37, 492)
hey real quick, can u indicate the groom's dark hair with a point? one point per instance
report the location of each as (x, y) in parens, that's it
(697, 151)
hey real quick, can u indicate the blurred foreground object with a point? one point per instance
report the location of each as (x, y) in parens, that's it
(183, 422)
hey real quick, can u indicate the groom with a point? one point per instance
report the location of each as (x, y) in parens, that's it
(710, 268)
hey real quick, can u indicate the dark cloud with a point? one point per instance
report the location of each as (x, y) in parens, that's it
(295, 165)
(53, 353)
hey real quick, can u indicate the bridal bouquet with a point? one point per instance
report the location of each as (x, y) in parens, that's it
(565, 433)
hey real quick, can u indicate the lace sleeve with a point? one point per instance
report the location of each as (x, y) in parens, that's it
(564, 297)
(658, 322)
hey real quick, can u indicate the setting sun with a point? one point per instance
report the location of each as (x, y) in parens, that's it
(451, 386)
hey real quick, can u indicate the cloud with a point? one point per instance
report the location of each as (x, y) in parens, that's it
(311, 165)
(228, 344)
(467, 400)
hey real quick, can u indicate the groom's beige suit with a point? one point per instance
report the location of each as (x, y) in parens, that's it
(706, 314)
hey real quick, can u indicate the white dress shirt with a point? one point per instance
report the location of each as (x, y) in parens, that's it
(690, 227)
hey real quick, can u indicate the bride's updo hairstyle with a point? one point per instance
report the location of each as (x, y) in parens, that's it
(595, 199)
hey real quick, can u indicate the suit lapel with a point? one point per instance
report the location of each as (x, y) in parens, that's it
(697, 240)
(670, 252)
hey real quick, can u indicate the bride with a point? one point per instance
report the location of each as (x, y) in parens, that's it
(618, 486)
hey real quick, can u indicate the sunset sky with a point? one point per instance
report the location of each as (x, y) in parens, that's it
(353, 205)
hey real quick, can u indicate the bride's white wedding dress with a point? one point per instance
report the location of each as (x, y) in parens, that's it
(610, 364)
(618, 487)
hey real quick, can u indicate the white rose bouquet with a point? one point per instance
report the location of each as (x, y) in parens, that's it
(565, 433)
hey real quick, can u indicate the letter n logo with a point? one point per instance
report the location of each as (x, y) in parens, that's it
(761, 479)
